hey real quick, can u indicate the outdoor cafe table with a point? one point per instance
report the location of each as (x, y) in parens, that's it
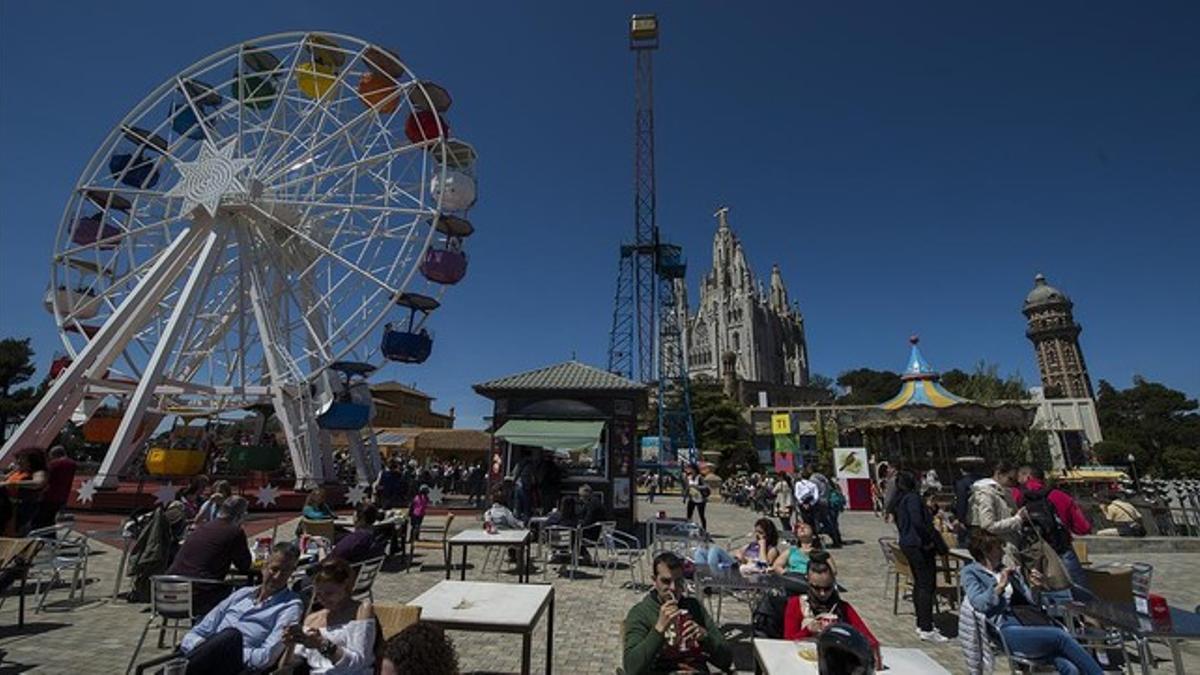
(782, 657)
(1183, 625)
(480, 537)
(731, 580)
(667, 529)
(487, 607)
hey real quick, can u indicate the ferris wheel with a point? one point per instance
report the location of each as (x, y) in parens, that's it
(281, 213)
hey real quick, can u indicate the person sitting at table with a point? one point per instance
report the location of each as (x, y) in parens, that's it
(221, 490)
(1125, 517)
(659, 640)
(315, 506)
(421, 648)
(339, 637)
(245, 631)
(210, 551)
(1002, 595)
(810, 613)
(591, 507)
(795, 558)
(500, 515)
(361, 543)
(757, 556)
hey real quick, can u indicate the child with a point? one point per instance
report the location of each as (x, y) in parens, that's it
(416, 511)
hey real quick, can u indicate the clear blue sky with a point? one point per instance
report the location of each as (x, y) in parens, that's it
(910, 166)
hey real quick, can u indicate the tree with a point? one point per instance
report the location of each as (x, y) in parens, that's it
(721, 428)
(1158, 425)
(984, 384)
(824, 385)
(16, 367)
(867, 387)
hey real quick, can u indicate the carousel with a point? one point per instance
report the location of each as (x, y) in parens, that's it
(926, 426)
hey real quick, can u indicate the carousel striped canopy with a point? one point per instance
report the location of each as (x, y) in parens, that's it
(921, 385)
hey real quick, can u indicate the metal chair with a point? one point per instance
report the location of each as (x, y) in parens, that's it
(61, 551)
(619, 546)
(364, 579)
(171, 603)
(560, 540)
(16, 557)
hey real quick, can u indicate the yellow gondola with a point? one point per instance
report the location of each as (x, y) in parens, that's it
(316, 80)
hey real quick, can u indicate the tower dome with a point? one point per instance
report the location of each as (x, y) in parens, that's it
(1043, 293)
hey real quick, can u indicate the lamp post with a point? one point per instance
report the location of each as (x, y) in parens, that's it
(1133, 469)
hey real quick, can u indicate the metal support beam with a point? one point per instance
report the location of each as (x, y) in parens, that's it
(52, 413)
(122, 448)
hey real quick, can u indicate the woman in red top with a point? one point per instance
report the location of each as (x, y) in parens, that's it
(809, 614)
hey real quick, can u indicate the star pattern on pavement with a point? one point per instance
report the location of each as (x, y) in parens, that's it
(211, 176)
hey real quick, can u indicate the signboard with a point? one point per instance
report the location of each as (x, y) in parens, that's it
(781, 424)
(650, 447)
(851, 463)
(621, 493)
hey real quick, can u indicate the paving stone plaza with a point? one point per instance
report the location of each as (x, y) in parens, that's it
(99, 636)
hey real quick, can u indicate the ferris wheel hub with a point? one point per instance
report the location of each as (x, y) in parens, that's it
(212, 176)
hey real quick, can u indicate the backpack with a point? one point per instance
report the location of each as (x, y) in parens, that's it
(1044, 518)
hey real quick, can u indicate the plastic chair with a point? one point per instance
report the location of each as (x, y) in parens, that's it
(395, 618)
(891, 575)
(439, 543)
(170, 603)
(364, 579)
(318, 528)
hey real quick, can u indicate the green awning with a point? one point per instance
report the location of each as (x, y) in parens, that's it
(555, 435)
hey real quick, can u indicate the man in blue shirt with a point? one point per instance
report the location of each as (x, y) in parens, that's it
(245, 632)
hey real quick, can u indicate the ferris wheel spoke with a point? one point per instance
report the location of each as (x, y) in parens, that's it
(270, 254)
(317, 106)
(348, 166)
(289, 77)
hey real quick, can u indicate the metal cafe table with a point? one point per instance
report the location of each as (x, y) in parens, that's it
(486, 607)
(520, 539)
(1182, 625)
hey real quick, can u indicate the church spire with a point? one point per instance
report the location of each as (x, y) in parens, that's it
(779, 298)
(722, 215)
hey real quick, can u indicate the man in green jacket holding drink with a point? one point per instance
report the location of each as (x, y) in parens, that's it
(668, 632)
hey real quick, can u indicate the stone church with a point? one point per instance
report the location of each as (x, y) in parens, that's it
(739, 321)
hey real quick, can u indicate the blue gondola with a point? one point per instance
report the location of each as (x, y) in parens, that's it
(135, 171)
(412, 344)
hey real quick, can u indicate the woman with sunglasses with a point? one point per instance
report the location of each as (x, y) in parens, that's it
(807, 615)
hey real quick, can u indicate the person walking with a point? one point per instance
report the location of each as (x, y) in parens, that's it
(60, 476)
(695, 492)
(921, 545)
(783, 500)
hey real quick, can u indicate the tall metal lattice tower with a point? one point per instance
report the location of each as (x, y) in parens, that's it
(646, 312)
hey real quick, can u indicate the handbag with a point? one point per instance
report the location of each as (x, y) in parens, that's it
(1028, 615)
